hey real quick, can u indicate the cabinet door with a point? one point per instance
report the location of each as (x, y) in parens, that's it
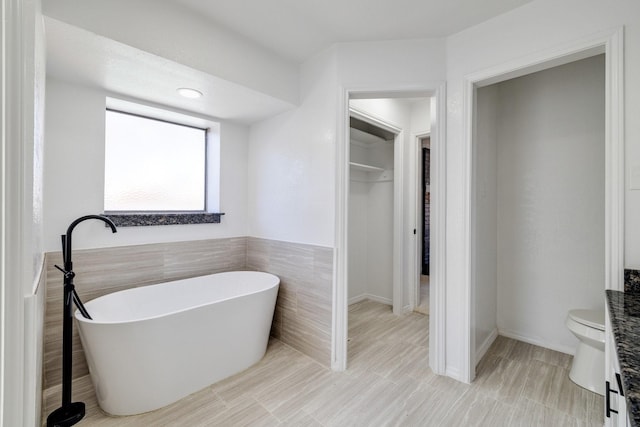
(615, 405)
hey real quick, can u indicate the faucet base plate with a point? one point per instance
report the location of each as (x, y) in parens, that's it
(66, 415)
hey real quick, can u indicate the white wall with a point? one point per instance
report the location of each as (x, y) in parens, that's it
(292, 156)
(420, 108)
(371, 223)
(178, 34)
(34, 131)
(380, 241)
(485, 288)
(358, 232)
(550, 201)
(74, 176)
(534, 27)
(391, 65)
(291, 163)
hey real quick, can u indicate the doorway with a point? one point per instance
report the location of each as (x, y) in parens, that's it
(373, 209)
(380, 181)
(539, 205)
(407, 188)
(422, 291)
(609, 44)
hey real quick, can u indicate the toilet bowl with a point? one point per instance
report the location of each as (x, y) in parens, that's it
(587, 369)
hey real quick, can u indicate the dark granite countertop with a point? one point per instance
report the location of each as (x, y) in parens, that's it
(624, 311)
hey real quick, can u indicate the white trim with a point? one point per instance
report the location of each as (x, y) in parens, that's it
(5, 277)
(540, 342)
(340, 297)
(369, 144)
(614, 158)
(572, 51)
(357, 299)
(15, 44)
(414, 295)
(34, 351)
(373, 120)
(482, 350)
(468, 340)
(454, 373)
(340, 300)
(370, 297)
(370, 181)
(612, 42)
(438, 232)
(399, 225)
(147, 109)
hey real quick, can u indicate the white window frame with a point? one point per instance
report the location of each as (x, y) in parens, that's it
(212, 153)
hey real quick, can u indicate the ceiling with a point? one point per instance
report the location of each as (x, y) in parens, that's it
(297, 29)
(129, 73)
(294, 30)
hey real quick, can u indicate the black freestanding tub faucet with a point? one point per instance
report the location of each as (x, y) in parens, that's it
(70, 413)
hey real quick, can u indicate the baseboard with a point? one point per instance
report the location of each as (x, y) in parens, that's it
(454, 373)
(357, 299)
(381, 300)
(482, 350)
(363, 297)
(536, 341)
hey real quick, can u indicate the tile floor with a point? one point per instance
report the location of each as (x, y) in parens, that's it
(388, 383)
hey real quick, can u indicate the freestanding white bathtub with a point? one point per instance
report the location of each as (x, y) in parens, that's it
(148, 347)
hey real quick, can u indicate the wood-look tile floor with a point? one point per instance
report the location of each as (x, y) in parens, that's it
(388, 383)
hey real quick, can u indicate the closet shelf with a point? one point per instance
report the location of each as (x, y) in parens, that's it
(365, 168)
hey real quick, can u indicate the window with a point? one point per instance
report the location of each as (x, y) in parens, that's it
(161, 167)
(153, 165)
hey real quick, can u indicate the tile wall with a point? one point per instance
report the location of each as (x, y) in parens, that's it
(303, 309)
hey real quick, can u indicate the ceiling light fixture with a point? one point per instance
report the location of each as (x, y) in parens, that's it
(189, 93)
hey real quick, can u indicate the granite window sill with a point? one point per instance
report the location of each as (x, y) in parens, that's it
(142, 219)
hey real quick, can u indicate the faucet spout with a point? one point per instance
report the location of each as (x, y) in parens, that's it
(66, 239)
(68, 262)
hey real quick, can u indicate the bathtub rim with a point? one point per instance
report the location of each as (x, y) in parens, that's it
(80, 318)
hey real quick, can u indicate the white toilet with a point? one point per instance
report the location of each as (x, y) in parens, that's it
(588, 368)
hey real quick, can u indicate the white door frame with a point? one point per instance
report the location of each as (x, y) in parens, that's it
(340, 280)
(16, 43)
(611, 44)
(414, 297)
(22, 77)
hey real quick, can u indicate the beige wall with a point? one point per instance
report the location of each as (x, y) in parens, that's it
(303, 309)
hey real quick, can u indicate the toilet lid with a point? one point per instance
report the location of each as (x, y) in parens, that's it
(592, 318)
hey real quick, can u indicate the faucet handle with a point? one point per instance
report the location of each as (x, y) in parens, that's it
(67, 274)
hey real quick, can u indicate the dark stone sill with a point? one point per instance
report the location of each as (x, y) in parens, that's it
(142, 220)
